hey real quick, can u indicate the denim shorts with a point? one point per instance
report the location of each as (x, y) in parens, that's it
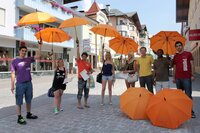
(24, 89)
(107, 77)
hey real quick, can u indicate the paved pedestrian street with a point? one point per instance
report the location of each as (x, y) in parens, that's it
(97, 119)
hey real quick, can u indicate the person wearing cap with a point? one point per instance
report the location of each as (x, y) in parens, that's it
(83, 64)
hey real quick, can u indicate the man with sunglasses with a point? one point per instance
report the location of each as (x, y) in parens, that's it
(183, 72)
(21, 70)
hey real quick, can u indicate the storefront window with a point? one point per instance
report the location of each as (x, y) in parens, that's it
(6, 55)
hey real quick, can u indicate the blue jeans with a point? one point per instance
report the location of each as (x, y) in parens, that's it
(82, 87)
(22, 89)
(185, 85)
(148, 80)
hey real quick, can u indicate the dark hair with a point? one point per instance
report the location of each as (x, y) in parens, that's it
(21, 47)
(178, 42)
(160, 50)
(143, 48)
(84, 53)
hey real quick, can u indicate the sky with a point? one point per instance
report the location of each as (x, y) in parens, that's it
(157, 15)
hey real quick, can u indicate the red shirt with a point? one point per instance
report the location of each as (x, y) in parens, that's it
(183, 65)
(83, 65)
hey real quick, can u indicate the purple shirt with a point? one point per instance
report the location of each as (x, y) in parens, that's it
(22, 69)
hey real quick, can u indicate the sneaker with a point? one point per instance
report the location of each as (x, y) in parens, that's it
(193, 115)
(55, 111)
(60, 109)
(31, 116)
(21, 121)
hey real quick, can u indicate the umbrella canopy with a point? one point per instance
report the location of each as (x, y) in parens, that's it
(133, 102)
(123, 45)
(72, 22)
(105, 30)
(52, 35)
(166, 40)
(169, 108)
(36, 18)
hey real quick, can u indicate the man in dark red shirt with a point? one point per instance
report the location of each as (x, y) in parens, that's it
(183, 70)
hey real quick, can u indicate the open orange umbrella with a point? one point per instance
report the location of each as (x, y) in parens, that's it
(36, 18)
(73, 22)
(105, 30)
(169, 108)
(133, 102)
(166, 40)
(52, 35)
(123, 45)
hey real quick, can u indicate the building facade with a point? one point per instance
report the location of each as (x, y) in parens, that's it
(187, 13)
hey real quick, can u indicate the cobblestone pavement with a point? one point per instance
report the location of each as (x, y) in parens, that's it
(97, 119)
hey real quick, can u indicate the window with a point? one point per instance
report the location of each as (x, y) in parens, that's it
(2, 17)
(123, 33)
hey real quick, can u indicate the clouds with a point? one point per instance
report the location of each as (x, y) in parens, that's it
(86, 4)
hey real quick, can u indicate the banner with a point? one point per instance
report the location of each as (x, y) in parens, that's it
(194, 35)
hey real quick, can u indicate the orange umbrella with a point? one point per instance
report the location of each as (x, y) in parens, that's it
(36, 18)
(165, 40)
(73, 22)
(133, 102)
(123, 45)
(105, 30)
(52, 35)
(169, 108)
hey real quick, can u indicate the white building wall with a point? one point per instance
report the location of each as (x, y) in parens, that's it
(10, 15)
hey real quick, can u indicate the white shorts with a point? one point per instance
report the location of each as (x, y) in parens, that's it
(160, 85)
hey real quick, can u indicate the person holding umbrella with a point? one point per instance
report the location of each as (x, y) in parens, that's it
(107, 75)
(83, 65)
(21, 70)
(58, 86)
(183, 72)
(144, 65)
(161, 73)
(130, 68)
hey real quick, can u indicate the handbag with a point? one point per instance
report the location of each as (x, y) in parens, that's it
(99, 77)
(90, 82)
(132, 78)
(50, 92)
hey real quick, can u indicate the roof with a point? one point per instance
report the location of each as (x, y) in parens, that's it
(182, 8)
(134, 17)
(93, 9)
(116, 12)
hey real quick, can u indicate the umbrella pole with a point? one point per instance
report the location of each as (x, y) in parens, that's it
(77, 41)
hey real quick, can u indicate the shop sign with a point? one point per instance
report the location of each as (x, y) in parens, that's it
(194, 35)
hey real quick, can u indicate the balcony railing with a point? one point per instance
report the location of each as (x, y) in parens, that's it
(122, 27)
(27, 34)
(56, 10)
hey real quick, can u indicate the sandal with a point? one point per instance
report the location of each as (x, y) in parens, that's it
(80, 107)
(87, 106)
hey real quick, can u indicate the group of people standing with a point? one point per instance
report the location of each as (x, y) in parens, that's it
(151, 72)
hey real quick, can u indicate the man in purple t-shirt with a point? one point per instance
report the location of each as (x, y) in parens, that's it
(21, 70)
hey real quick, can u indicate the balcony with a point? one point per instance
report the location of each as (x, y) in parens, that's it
(44, 6)
(122, 27)
(27, 34)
